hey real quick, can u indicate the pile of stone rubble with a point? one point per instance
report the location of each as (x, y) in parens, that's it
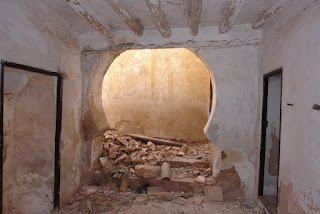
(124, 157)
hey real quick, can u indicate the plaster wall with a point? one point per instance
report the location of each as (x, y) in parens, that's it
(160, 92)
(295, 48)
(28, 37)
(29, 132)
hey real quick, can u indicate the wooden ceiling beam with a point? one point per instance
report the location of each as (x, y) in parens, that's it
(90, 16)
(231, 15)
(194, 12)
(124, 14)
(159, 17)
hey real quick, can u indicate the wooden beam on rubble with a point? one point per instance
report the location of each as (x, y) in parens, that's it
(157, 141)
(124, 14)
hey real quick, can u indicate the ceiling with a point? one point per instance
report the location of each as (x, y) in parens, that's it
(213, 13)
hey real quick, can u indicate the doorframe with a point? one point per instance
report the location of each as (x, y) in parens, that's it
(56, 194)
(263, 133)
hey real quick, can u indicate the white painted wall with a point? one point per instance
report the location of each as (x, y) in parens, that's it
(296, 48)
(28, 37)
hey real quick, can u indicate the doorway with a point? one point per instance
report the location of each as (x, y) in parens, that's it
(270, 140)
(31, 104)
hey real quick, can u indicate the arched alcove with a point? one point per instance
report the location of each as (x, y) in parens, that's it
(160, 92)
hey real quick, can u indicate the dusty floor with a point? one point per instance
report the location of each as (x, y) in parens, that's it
(105, 201)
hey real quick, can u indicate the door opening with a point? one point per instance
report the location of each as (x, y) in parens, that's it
(270, 140)
(30, 120)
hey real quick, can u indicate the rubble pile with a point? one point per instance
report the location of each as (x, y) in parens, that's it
(124, 157)
(102, 199)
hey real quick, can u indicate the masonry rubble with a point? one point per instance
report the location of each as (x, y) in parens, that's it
(123, 154)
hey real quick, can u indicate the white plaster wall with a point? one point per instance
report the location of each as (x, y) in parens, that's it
(296, 48)
(29, 37)
(235, 120)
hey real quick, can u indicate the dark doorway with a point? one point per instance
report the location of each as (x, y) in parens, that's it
(30, 114)
(270, 140)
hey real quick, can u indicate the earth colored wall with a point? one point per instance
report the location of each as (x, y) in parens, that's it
(159, 92)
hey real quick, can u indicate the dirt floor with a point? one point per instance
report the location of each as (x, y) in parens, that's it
(102, 200)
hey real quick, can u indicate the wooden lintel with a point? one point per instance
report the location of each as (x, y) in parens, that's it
(231, 15)
(124, 14)
(159, 17)
(89, 15)
(194, 12)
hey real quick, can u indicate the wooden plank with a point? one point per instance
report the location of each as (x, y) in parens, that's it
(124, 14)
(194, 12)
(90, 16)
(157, 141)
(159, 17)
(231, 15)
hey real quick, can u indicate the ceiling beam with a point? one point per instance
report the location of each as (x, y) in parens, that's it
(194, 12)
(231, 15)
(159, 17)
(90, 16)
(270, 13)
(124, 14)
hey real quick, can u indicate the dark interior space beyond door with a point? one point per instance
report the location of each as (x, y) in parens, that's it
(270, 140)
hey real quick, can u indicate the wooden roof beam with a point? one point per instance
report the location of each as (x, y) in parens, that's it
(231, 15)
(194, 12)
(159, 17)
(124, 14)
(90, 16)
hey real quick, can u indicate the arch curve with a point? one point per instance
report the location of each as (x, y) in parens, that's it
(96, 82)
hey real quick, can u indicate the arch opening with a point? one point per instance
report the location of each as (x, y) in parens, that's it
(165, 93)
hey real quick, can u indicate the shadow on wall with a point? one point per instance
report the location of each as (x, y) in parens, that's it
(159, 92)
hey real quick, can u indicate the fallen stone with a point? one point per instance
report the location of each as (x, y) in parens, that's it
(181, 201)
(105, 162)
(164, 196)
(182, 151)
(198, 199)
(200, 179)
(190, 200)
(73, 206)
(125, 182)
(155, 190)
(147, 171)
(213, 193)
(121, 157)
(89, 205)
(180, 210)
(141, 198)
(88, 190)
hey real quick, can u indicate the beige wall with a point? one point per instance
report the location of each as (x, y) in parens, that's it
(29, 132)
(34, 40)
(295, 48)
(159, 92)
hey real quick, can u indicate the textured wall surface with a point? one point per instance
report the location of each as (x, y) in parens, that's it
(29, 131)
(295, 48)
(30, 38)
(159, 92)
